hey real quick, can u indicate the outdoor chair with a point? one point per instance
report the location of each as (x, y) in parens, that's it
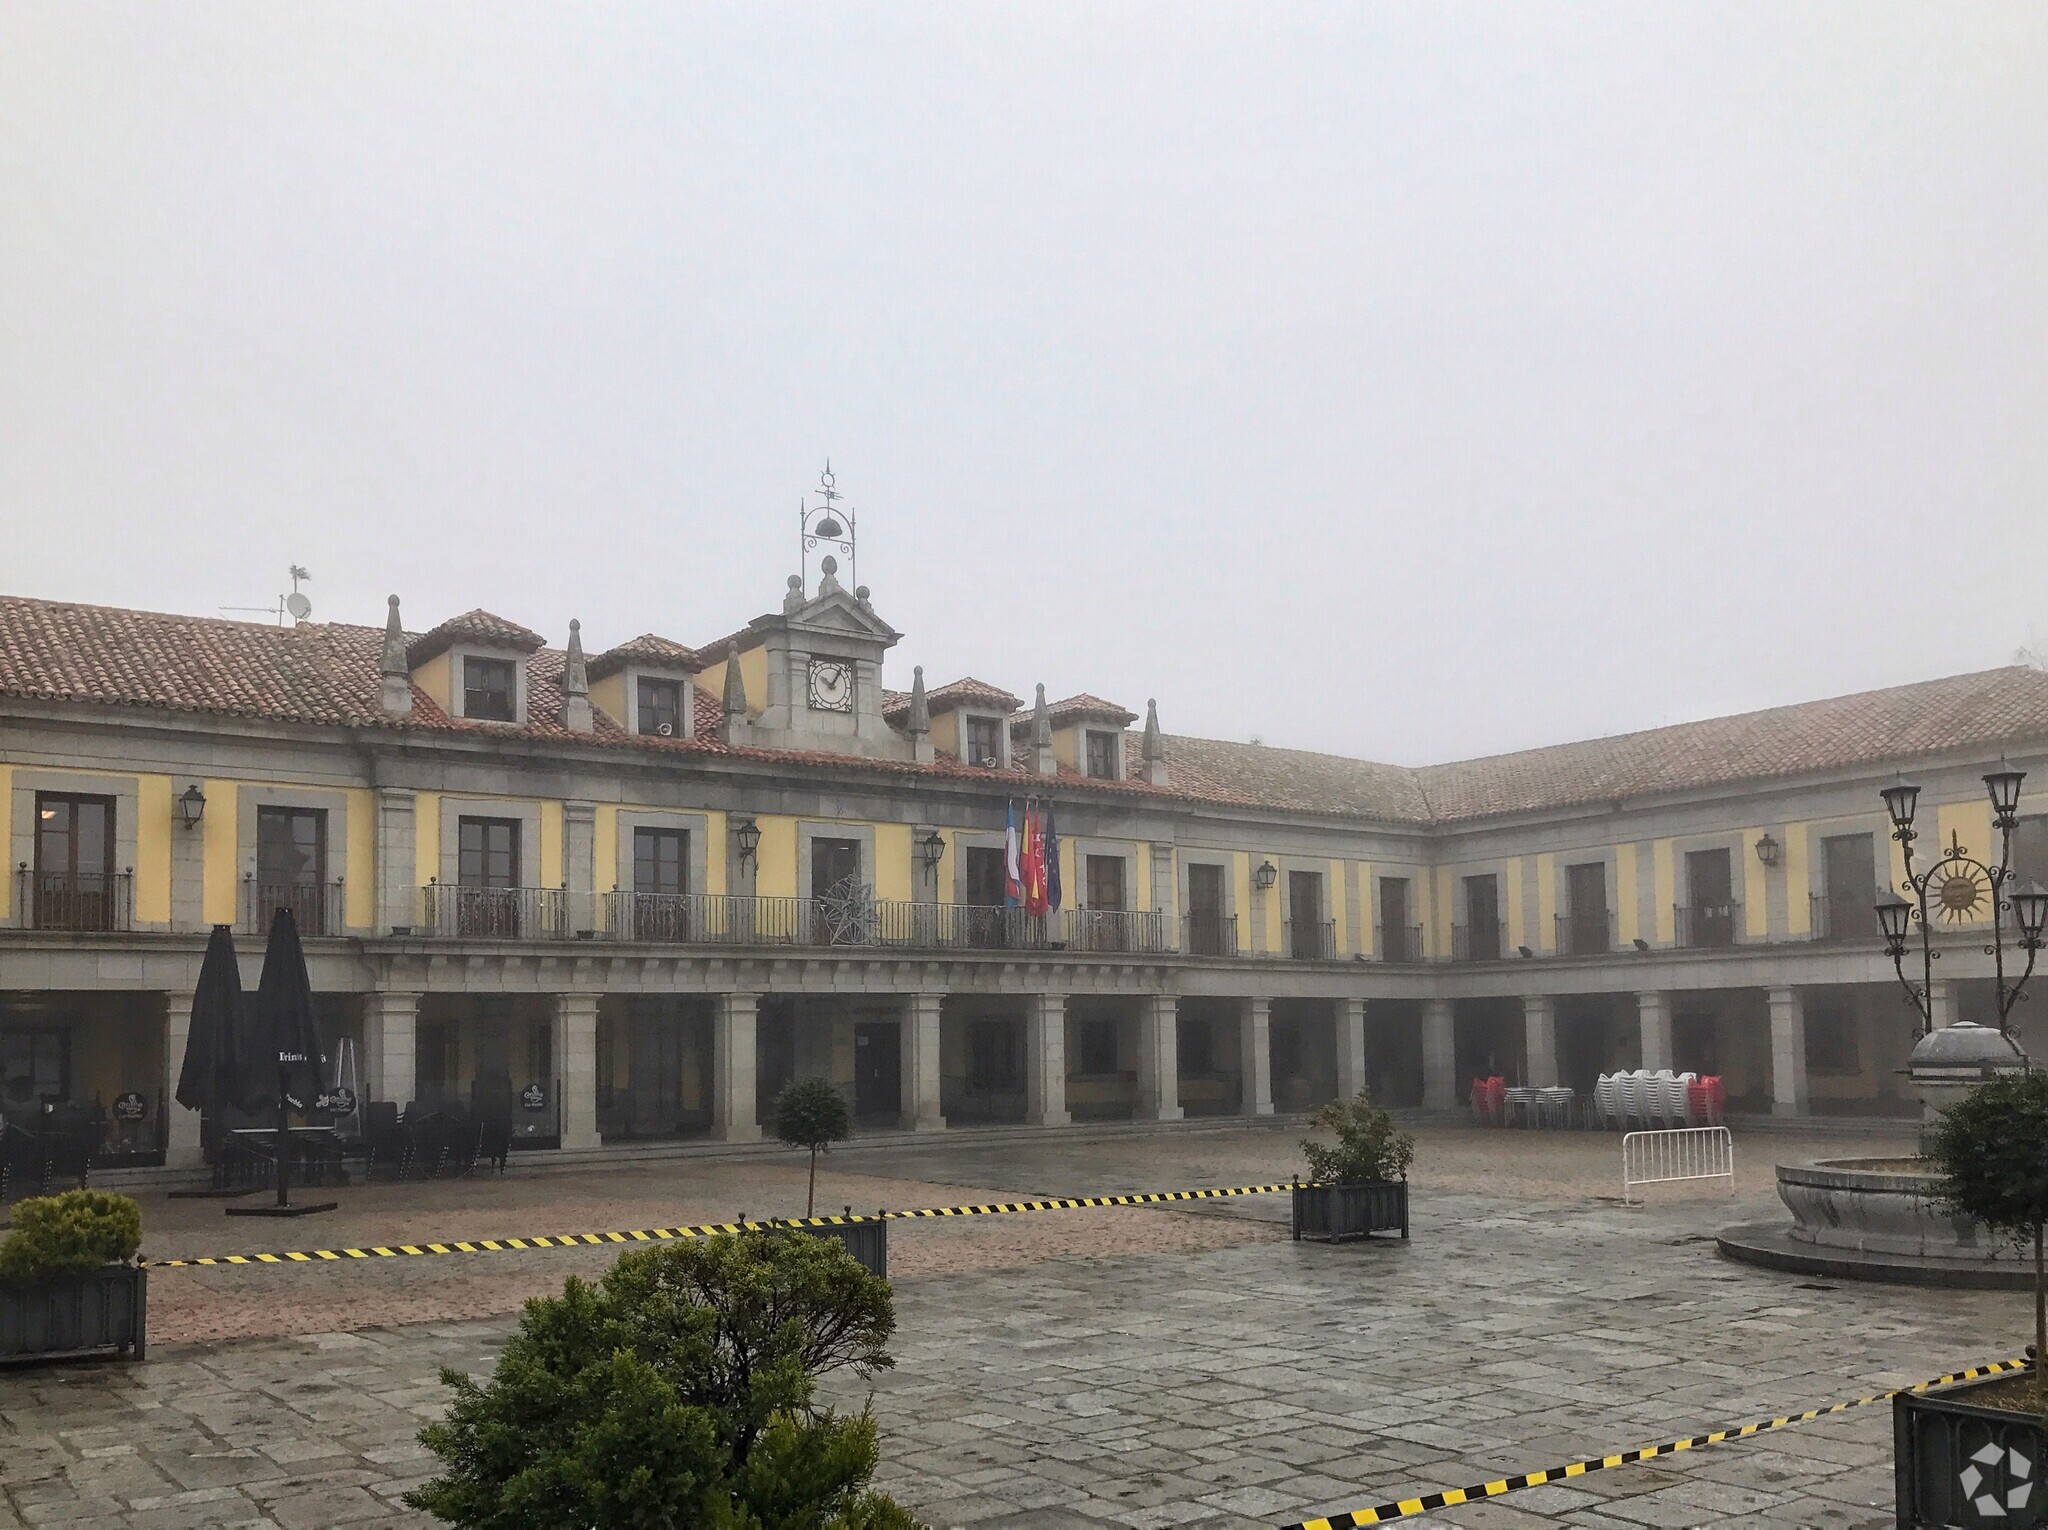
(459, 1139)
(21, 1162)
(494, 1136)
(384, 1141)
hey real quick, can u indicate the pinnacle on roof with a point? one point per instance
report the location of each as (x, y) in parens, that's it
(395, 676)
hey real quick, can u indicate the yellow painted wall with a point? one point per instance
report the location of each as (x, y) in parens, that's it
(1546, 904)
(892, 870)
(1798, 886)
(946, 734)
(1340, 905)
(1066, 747)
(1627, 924)
(1664, 891)
(426, 837)
(1969, 822)
(605, 853)
(714, 853)
(775, 859)
(609, 697)
(1241, 890)
(550, 844)
(754, 674)
(360, 896)
(1518, 925)
(1272, 935)
(1368, 930)
(219, 854)
(435, 678)
(1141, 858)
(1756, 897)
(153, 844)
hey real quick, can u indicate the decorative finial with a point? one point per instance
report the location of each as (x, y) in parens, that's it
(1155, 745)
(793, 597)
(920, 718)
(396, 691)
(735, 689)
(576, 714)
(1044, 762)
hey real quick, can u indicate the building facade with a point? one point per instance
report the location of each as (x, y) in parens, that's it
(638, 891)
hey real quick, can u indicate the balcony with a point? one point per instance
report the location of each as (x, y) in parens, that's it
(1707, 926)
(85, 901)
(494, 913)
(1843, 918)
(1400, 943)
(316, 906)
(1209, 934)
(1311, 941)
(709, 919)
(1478, 942)
(1590, 933)
(1102, 929)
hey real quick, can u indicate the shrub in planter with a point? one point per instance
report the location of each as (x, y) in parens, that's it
(677, 1391)
(812, 1114)
(1360, 1186)
(65, 1281)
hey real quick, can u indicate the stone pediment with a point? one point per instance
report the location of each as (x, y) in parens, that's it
(836, 612)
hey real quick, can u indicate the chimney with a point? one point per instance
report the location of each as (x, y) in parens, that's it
(396, 697)
(735, 706)
(1042, 760)
(920, 719)
(576, 685)
(1155, 747)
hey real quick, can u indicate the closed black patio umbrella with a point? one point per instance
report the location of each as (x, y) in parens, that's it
(280, 1056)
(207, 1079)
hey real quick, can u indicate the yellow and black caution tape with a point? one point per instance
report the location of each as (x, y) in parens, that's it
(705, 1229)
(1409, 1508)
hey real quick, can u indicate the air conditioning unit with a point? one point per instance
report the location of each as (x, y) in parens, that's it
(666, 730)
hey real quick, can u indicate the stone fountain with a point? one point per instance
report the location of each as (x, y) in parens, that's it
(1875, 1218)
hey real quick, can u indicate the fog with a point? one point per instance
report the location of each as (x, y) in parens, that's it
(1411, 381)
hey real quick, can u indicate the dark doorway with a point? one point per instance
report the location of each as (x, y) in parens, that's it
(1396, 942)
(1848, 909)
(1586, 919)
(74, 886)
(1208, 933)
(878, 1071)
(1710, 884)
(1307, 935)
(833, 861)
(986, 917)
(1482, 920)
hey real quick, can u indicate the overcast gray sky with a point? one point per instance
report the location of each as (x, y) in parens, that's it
(1414, 381)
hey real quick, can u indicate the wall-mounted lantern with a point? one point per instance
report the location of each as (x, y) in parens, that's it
(1768, 850)
(191, 806)
(930, 851)
(1265, 876)
(747, 835)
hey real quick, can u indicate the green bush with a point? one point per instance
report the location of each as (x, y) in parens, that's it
(812, 1114)
(676, 1392)
(1369, 1146)
(69, 1234)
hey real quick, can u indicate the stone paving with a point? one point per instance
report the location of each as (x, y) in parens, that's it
(1223, 1376)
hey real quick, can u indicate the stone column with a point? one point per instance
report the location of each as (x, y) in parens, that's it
(1350, 1018)
(397, 895)
(579, 864)
(576, 1043)
(1788, 1053)
(733, 1068)
(1653, 1018)
(1045, 1059)
(182, 1149)
(1159, 1058)
(1439, 1054)
(1255, 1067)
(1539, 1031)
(390, 1039)
(1941, 997)
(919, 1049)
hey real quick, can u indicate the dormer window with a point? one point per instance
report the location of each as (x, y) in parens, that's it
(1103, 761)
(659, 706)
(985, 741)
(490, 689)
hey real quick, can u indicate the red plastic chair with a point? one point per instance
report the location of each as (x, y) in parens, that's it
(1705, 1099)
(1490, 1100)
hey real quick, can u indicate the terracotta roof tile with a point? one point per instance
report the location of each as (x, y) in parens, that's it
(479, 627)
(647, 650)
(967, 692)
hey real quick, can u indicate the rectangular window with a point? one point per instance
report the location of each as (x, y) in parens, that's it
(1102, 752)
(1095, 1046)
(994, 1056)
(985, 879)
(488, 852)
(661, 861)
(1848, 906)
(985, 741)
(1710, 884)
(1209, 932)
(489, 689)
(1482, 919)
(1585, 920)
(1396, 939)
(660, 707)
(35, 1067)
(74, 871)
(2030, 855)
(1307, 939)
(1106, 882)
(291, 868)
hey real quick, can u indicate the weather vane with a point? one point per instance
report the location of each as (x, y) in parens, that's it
(826, 524)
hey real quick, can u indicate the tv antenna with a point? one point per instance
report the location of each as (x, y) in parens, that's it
(295, 605)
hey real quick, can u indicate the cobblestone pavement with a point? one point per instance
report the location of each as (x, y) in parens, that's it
(1094, 1372)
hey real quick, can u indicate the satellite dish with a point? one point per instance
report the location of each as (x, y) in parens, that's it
(298, 605)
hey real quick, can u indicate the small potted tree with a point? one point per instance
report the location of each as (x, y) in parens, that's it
(68, 1281)
(1360, 1186)
(812, 1114)
(1970, 1451)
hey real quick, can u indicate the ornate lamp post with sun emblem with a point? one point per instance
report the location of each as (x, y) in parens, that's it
(1961, 889)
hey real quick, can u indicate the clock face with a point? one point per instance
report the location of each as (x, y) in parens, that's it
(831, 685)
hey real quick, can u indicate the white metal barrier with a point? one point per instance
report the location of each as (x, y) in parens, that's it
(1691, 1152)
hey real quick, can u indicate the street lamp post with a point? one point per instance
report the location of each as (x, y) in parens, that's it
(1959, 888)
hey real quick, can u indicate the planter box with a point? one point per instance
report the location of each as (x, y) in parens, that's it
(1339, 1213)
(1959, 1463)
(866, 1238)
(83, 1315)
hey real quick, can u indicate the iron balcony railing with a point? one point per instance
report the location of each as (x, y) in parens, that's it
(1209, 934)
(1479, 942)
(714, 919)
(1113, 929)
(1843, 918)
(1707, 926)
(1400, 943)
(494, 913)
(1590, 933)
(316, 907)
(75, 900)
(1309, 941)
